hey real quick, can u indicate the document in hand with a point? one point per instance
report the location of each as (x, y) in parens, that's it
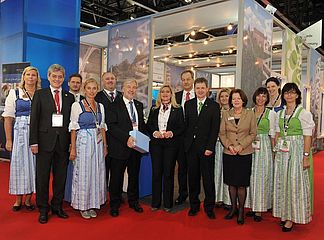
(141, 141)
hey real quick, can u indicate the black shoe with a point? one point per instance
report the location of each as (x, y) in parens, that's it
(257, 218)
(219, 205)
(210, 214)
(240, 218)
(180, 200)
(137, 207)
(60, 213)
(30, 207)
(250, 214)
(285, 229)
(282, 223)
(16, 208)
(231, 214)
(114, 212)
(43, 218)
(227, 207)
(193, 212)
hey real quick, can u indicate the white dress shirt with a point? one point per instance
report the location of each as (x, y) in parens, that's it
(126, 101)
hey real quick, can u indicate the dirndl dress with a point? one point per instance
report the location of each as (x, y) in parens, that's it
(89, 189)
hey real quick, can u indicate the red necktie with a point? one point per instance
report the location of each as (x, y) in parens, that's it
(57, 101)
(187, 96)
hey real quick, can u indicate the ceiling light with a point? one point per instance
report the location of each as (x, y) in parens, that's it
(138, 52)
(193, 33)
(230, 26)
(205, 42)
(208, 59)
(245, 37)
(117, 46)
(180, 62)
(218, 65)
(145, 40)
(169, 48)
(230, 50)
(192, 68)
(190, 55)
(166, 59)
(188, 1)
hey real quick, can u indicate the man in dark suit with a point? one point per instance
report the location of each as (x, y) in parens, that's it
(126, 116)
(202, 117)
(75, 83)
(106, 97)
(50, 140)
(187, 79)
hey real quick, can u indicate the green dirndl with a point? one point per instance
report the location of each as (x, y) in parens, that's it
(292, 184)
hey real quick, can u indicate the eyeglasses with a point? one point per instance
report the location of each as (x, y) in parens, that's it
(290, 93)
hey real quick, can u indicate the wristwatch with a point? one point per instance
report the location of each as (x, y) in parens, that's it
(306, 154)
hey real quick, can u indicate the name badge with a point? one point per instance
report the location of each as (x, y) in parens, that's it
(256, 144)
(28, 120)
(284, 145)
(99, 136)
(230, 118)
(57, 120)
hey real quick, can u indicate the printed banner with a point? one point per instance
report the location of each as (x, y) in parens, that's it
(129, 53)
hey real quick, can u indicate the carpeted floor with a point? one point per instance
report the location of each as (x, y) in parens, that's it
(152, 225)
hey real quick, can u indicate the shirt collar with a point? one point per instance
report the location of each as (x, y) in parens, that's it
(53, 89)
(203, 101)
(126, 101)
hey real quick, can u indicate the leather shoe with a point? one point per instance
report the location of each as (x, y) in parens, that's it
(137, 207)
(114, 212)
(30, 207)
(285, 229)
(231, 214)
(257, 218)
(210, 214)
(193, 212)
(43, 218)
(60, 213)
(16, 208)
(180, 201)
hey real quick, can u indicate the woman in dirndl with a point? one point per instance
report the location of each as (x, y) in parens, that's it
(261, 183)
(292, 183)
(88, 151)
(17, 114)
(221, 189)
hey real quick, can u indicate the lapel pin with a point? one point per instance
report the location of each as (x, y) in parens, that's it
(65, 95)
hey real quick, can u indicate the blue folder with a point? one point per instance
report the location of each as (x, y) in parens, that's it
(141, 141)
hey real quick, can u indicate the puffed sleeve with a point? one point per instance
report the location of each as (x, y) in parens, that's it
(307, 123)
(103, 123)
(273, 123)
(277, 121)
(10, 104)
(74, 118)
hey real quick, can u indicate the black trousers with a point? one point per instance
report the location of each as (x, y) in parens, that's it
(117, 169)
(57, 160)
(201, 165)
(182, 172)
(163, 163)
(107, 163)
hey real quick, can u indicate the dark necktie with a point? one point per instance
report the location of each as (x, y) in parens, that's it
(57, 100)
(112, 96)
(132, 112)
(165, 107)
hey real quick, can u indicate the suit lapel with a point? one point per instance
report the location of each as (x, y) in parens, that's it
(171, 116)
(243, 115)
(51, 99)
(64, 96)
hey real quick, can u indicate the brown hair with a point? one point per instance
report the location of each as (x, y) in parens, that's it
(242, 95)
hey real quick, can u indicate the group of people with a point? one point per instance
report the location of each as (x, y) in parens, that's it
(257, 158)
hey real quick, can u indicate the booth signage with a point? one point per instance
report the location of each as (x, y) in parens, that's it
(11, 73)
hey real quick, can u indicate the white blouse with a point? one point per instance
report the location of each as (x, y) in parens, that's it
(163, 118)
(305, 117)
(10, 103)
(273, 123)
(76, 110)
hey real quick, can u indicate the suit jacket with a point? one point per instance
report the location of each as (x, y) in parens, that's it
(244, 133)
(175, 124)
(119, 125)
(178, 97)
(106, 100)
(41, 130)
(202, 128)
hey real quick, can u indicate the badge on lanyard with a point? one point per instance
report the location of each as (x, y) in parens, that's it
(256, 144)
(284, 145)
(57, 120)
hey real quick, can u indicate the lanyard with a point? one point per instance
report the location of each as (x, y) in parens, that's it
(286, 123)
(25, 91)
(259, 120)
(93, 112)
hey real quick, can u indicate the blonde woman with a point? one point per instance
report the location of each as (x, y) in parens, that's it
(88, 150)
(221, 189)
(166, 126)
(22, 164)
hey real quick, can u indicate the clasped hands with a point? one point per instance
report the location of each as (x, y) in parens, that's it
(235, 150)
(167, 134)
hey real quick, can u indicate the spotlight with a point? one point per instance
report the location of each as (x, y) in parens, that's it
(145, 40)
(192, 68)
(205, 42)
(166, 59)
(180, 62)
(138, 52)
(169, 48)
(230, 26)
(208, 59)
(117, 46)
(218, 65)
(188, 1)
(230, 50)
(190, 55)
(193, 33)
(245, 37)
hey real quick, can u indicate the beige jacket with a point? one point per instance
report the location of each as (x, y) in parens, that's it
(244, 133)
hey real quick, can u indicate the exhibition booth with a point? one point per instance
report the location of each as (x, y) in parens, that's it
(232, 43)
